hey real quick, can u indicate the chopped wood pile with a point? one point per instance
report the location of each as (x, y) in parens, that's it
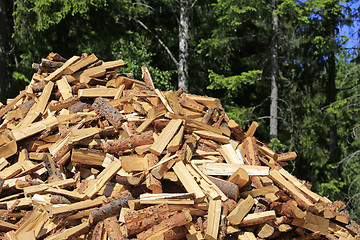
(89, 153)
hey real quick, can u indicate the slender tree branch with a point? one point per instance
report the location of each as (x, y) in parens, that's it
(157, 38)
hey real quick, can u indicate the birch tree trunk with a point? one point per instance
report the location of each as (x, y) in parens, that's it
(274, 73)
(183, 45)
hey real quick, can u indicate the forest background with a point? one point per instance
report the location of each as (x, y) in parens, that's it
(286, 64)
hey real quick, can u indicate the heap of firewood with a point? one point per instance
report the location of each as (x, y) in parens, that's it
(89, 153)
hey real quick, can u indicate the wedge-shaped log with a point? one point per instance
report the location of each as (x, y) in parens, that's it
(228, 152)
(57, 73)
(286, 156)
(250, 132)
(239, 177)
(98, 92)
(103, 108)
(230, 189)
(236, 130)
(112, 228)
(103, 178)
(257, 218)
(313, 223)
(19, 134)
(240, 211)
(71, 233)
(288, 186)
(87, 157)
(81, 64)
(287, 209)
(311, 195)
(188, 181)
(8, 149)
(64, 88)
(38, 108)
(165, 136)
(133, 163)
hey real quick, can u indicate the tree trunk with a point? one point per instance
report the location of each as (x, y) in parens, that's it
(183, 45)
(3, 40)
(331, 93)
(274, 73)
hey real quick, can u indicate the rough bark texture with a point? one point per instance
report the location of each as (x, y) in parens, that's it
(144, 138)
(183, 45)
(274, 73)
(113, 229)
(176, 220)
(103, 108)
(108, 210)
(146, 223)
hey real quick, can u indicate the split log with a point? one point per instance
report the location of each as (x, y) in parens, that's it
(287, 209)
(230, 189)
(103, 108)
(237, 215)
(135, 140)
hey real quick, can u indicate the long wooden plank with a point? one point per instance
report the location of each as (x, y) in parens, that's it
(313, 196)
(39, 108)
(77, 206)
(103, 178)
(225, 169)
(19, 134)
(212, 229)
(286, 185)
(54, 75)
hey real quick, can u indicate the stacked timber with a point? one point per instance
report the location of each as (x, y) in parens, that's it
(89, 153)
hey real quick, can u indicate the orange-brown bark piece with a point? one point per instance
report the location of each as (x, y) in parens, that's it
(97, 233)
(135, 140)
(142, 224)
(287, 209)
(112, 228)
(176, 220)
(103, 108)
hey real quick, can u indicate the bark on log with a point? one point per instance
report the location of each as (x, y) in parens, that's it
(58, 199)
(237, 131)
(145, 213)
(143, 224)
(103, 108)
(97, 234)
(230, 189)
(109, 209)
(112, 228)
(144, 138)
(176, 220)
(287, 209)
